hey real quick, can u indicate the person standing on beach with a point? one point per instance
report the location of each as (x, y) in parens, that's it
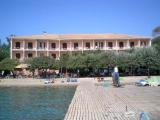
(115, 76)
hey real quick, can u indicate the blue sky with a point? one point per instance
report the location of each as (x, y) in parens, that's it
(26, 17)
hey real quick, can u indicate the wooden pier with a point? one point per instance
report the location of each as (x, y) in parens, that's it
(92, 102)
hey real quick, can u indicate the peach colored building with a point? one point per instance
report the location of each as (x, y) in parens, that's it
(56, 44)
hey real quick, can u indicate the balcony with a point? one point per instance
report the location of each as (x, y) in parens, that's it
(87, 48)
(53, 49)
(17, 48)
(76, 48)
(41, 48)
(121, 47)
(30, 48)
(65, 49)
(99, 48)
(109, 48)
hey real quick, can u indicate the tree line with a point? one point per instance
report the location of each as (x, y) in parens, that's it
(141, 61)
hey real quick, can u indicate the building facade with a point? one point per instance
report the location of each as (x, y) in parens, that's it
(55, 45)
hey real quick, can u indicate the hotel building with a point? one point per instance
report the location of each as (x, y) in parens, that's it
(55, 45)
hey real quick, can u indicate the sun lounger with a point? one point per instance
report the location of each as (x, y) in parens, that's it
(142, 83)
(48, 81)
(71, 79)
(74, 80)
(68, 79)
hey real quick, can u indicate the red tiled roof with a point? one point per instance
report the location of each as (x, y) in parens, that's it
(80, 36)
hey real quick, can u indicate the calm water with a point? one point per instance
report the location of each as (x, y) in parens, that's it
(34, 103)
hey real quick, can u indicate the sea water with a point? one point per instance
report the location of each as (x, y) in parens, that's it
(35, 103)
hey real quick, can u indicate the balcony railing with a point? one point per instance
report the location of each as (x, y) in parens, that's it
(87, 48)
(99, 48)
(65, 49)
(76, 48)
(33, 48)
(41, 48)
(121, 48)
(54, 49)
(29, 48)
(17, 48)
(110, 48)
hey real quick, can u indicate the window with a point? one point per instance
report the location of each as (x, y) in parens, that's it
(54, 55)
(40, 45)
(88, 45)
(30, 45)
(131, 44)
(121, 45)
(44, 45)
(53, 45)
(64, 45)
(110, 45)
(30, 55)
(75, 45)
(101, 44)
(96, 44)
(18, 56)
(41, 54)
(143, 43)
(17, 45)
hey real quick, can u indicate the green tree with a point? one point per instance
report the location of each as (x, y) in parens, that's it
(4, 50)
(63, 61)
(148, 58)
(41, 63)
(156, 41)
(8, 64)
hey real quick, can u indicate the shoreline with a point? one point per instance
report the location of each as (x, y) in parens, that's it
(58, 81)
(38, 85)
(34, 83)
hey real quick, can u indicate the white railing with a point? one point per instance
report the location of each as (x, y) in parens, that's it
(53, 49)
(42, 48)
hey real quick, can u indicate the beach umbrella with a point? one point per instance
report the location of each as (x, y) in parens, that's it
(21, 66)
